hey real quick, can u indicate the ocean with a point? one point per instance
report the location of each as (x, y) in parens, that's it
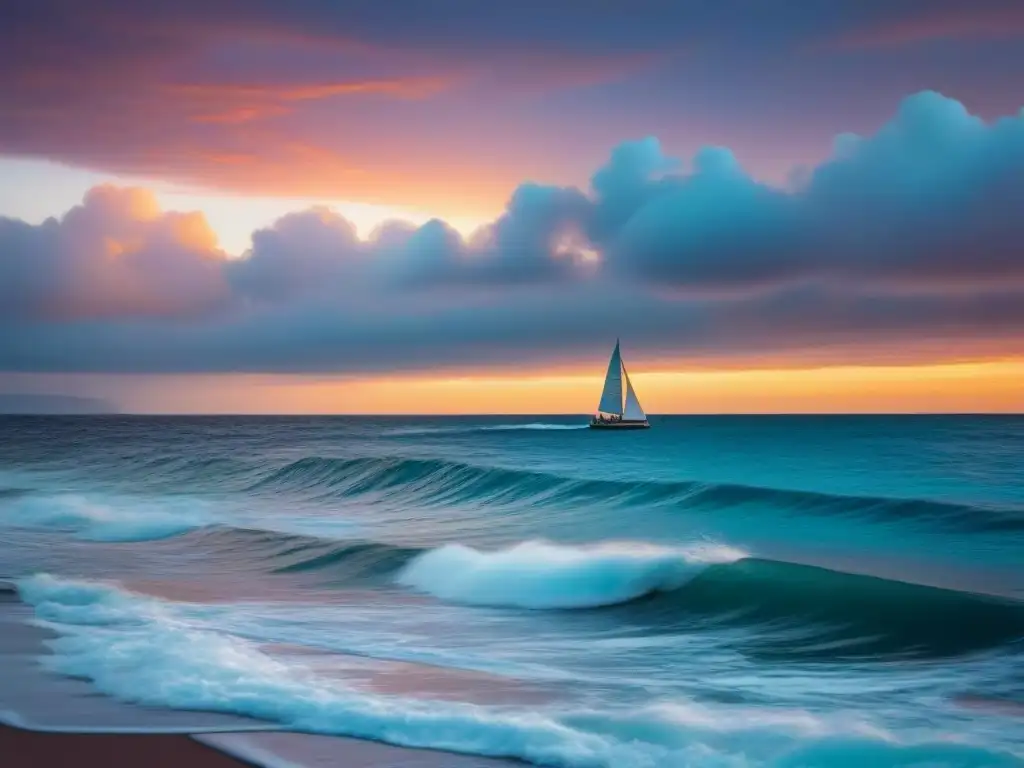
(715, 591)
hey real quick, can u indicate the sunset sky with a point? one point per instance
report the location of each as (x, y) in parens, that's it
(365, 207)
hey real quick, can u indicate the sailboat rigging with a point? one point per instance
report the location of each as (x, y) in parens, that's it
(613, 412)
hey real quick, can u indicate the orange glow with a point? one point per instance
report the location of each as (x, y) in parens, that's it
(993, 387)
(286, 169)
(192, 230)
(134, 202)
(408, 87)
(242, 114)
(227, 103)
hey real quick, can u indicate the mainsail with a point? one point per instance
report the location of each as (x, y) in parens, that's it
(633, 411)
(611, 395)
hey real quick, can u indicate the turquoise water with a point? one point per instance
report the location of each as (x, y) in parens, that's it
(716, 591)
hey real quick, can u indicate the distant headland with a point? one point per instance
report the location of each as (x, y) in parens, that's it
(30, 404)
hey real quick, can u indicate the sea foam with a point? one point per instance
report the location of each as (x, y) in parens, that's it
(105, 520)
(144, 650)
(539, 574)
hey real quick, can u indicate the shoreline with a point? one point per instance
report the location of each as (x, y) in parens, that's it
(52, 721)
(26, 748)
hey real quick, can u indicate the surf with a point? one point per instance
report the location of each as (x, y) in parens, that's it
(105, 519)
(435, 480)
(699, 586)
(541, 575)
(146, 651)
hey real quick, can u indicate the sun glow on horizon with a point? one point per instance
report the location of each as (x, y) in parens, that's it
(977, 387)
(50, 189)
(235, 217)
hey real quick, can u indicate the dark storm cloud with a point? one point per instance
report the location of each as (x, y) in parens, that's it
(907, 237)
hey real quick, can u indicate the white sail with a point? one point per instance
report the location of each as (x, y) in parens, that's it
(633, 411)
(611, 396)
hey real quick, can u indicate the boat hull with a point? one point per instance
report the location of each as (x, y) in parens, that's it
(620, 425)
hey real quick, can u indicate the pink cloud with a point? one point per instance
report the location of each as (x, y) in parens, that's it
(116, 255)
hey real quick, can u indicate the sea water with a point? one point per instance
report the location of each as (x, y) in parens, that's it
(715, 591)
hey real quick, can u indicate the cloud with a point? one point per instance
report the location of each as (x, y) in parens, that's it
(317, 99)
(114, 256)
(712, 228)
(301, 254)
(902, 241)
(317, 252)
(305, 99)
(231, 103)
(927, 201)
(939, 21)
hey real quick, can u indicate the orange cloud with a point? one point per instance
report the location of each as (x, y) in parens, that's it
(230, 103)
(118, 255)
(242, 114)
(224, 104)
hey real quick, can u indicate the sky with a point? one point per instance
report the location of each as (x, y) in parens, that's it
(454, 206)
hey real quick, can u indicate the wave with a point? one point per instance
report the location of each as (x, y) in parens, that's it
(537, 574)
(795, 609)
(105, 520)
(442, 481)
(812, 612)
(807, 611)
(435, 481)
(141, 650)
(791, 609)
(352, 560)
(472, 428)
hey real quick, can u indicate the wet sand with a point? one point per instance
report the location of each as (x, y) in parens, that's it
(35, 749)
(52, 721)
(20, 748)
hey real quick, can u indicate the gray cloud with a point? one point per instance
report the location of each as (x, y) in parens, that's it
(908, 238)
(928, 201)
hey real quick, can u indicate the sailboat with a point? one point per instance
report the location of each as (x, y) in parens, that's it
(612, 412)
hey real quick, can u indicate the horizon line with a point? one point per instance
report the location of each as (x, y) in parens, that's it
(698, 414)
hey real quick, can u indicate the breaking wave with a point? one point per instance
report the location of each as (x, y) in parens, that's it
(663, 588)
(142, 650)
(536, 574)
(667, 589)
(105, 520)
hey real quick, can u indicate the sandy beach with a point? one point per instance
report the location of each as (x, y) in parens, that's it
(21, 748)
(66, 723)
